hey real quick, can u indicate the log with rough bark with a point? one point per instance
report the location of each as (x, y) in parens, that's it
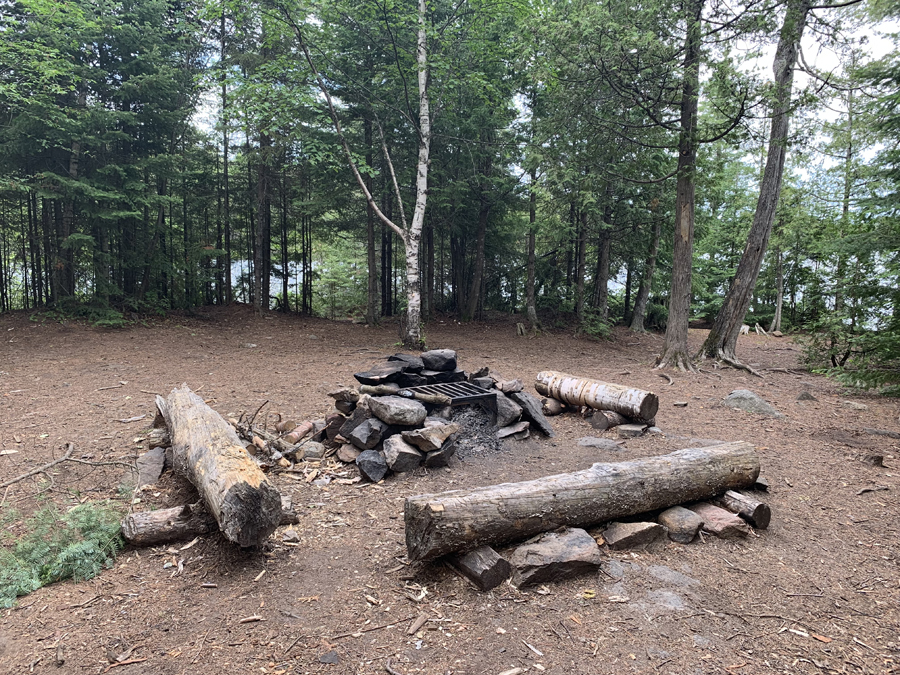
(462, 520)
(636, 403)
(752, 510)
(164, 526)
(607, 419)
(207, 451)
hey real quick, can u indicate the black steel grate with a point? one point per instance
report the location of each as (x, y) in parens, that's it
(460, 393)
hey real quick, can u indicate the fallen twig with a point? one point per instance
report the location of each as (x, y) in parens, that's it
(123, 663)
(371, 628)
(734, 363)
(70, 448)
(115, 386)
(667, 377)
(387, 667)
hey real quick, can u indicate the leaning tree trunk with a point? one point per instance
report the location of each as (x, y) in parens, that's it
(207, 451)
(675, 348)
(461, 520)
(722, 338)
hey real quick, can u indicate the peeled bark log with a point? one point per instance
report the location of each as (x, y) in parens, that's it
(461, 520)
(208, 452)
(575, 390)
(753, 511)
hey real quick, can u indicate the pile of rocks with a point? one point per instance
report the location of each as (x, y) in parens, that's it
(382, 427)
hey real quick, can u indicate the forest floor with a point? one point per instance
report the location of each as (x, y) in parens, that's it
(817, 592)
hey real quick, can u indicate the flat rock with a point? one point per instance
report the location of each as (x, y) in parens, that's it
(680, 404)
(776, 333)
(431, 437)
(510, 386)
(444, 376)
(744, 399)
(484, 567)
(853, 405)
(413, 362)
(882, 432)
(517, 431)
(400, 455)
(723, 524)
(620, 536)
(411, 380)
(483, 382)
(682, 524)
(345, 407)
(372, 465)
(398, 410)
(348, 453)
(439, 359)
(555, 555)
(368, 434)
(508, 412)
(600, 443)
(531, 410)
(150, 466)
(381, 373)
(630, 430)
(344, 394)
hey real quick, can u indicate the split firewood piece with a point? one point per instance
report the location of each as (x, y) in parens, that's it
(723, 524)
(753, 511)
(606, 419)
(484, 567)
(208, 452)
(574, 390)
(459, 520)
(431, 399)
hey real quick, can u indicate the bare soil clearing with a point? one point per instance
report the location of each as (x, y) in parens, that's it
(815, 593)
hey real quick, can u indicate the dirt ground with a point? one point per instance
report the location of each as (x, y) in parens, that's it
(815, 593)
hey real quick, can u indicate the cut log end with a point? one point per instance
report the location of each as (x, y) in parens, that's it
(250, 514)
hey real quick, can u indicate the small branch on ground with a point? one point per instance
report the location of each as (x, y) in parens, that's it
(667, 377)
(737, 365)
(70, 448)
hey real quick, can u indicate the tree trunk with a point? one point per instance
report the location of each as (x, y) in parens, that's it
(722, 338)
(580, 264)
(601, 276)
(634, 403)
(226, 197)
(530, 306)
(460, 520)
(779, 291)
(643, 295)
(208, 452)
(474, 294)
(675, 348)
(371, 263)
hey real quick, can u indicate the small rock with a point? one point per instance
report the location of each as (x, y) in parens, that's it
(313, 450)
(345, 394)
(398, 410)
(400, 455)
(761, 484)
(806, 396)
(510, 386)
(483, 382)
(630, 430)
(290, 535)
(330, 657)
(600, 443)
(439, 359)
(372, 465)
(776, 333)
(517, 431)
(682, 524)
(484, 567)
(723, 524)
(555, 555)
(853, 405)
(430, 438)
(621, 536)
(368, 434)
(531, 410)
(507, 411)
(440, 457)
(345, 407)
(744, 399)
(653, 431)
(348, 453)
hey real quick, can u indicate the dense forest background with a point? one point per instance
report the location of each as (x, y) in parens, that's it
(580, 163)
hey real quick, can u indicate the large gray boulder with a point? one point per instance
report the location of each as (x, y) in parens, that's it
(744, 399)
(398, 410)
(439, 359)
(508, 412)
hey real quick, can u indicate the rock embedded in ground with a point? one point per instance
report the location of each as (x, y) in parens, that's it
(398, 410)
(412, 362)
(400, 455)
(517, 431)
(680, 404)
(508, 412)
(484, 567)
(372, 465)
(620, 536)
(806, 396)
(882, 432)
(682, 524)
(431, 437)
(555, 555)
(744, 399)
(531, 410)
(853, 405)
(723, 524)
(368, 434)
(630, 430)
(439, 359)
(600, 443)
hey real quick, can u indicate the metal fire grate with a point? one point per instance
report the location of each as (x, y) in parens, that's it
(461, 393)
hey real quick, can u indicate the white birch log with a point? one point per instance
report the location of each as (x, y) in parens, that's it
(635, 403)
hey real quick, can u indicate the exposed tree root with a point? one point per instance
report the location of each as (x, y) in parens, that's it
(667, 377)
(675, 359)
(737, 365)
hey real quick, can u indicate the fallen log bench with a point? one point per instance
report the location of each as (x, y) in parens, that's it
(207, 451)
(461, 520)
(579, 391)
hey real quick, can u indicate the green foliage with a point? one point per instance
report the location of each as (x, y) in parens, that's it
(595, 326)
(77, 545)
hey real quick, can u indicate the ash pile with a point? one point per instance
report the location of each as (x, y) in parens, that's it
(419, 410)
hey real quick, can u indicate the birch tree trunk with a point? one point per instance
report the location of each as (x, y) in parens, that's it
(722, 338)
(675, 349)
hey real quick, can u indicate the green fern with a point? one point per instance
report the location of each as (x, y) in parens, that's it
(74, 545)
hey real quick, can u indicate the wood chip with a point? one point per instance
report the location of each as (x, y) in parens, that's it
(417, 624)
(533, 648)
(259, 576)
(131, 419)
(821, 638)
(251, 619)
